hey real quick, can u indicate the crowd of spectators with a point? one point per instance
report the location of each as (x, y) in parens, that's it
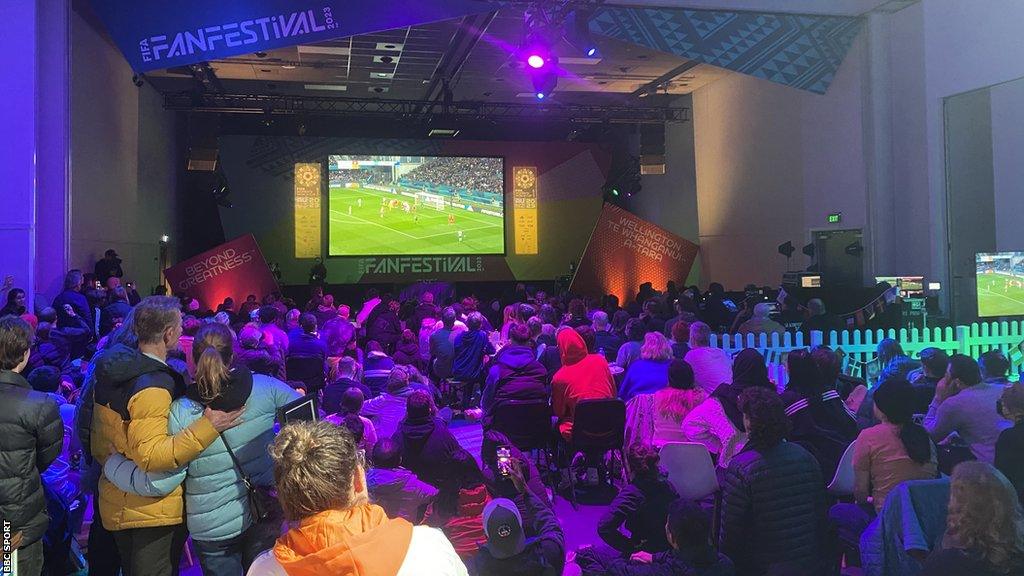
(162, 416)
(461, 173)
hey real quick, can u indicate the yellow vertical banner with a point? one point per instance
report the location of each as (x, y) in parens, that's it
(307, 209)
(524, 208)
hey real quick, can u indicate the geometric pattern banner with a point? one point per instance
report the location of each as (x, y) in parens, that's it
(795, 50)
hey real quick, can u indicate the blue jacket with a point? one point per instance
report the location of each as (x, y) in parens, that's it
(215, 498)
(644, 377)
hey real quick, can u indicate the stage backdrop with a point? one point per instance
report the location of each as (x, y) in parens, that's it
(236, 268)
(564, 188)
(625, 251)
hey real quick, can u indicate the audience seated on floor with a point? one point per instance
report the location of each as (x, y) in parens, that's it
(395, 488)
(688, 531)
(497, 516)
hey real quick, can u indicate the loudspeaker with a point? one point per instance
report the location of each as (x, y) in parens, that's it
(652, 149)
(202, 142)
(202, 159)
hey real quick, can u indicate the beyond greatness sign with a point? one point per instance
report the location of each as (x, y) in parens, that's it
(154, 35)
(626, 251)
(234, 269)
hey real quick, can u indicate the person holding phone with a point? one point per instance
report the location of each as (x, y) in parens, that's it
(508, 551)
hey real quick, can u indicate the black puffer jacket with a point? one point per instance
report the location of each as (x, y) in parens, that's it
(31, 437)
(773, 511)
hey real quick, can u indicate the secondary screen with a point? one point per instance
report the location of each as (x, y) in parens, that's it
(415, 205)
(1000, 283)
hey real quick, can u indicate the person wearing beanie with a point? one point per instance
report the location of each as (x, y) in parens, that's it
(256, 354)
(508, 551)
(1010, 446)
(657, 419)
(387, 410)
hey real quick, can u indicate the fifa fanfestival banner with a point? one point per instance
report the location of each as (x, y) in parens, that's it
(626, 251)
(157, 34)
(236, 269)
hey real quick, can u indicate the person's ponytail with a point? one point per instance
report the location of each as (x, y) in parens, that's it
(213, 352)
(916, 441)
(895, 398)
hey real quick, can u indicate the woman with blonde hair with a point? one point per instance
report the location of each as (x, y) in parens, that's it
(649, 373)
(984, 527)
(226, 532)
(657, 419)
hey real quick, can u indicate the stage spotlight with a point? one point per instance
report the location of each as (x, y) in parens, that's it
(544, 83)
(576, 30)
(536, 61)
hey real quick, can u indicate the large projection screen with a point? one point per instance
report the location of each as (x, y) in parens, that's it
(415, 205)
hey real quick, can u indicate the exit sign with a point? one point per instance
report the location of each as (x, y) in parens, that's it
(835, 218)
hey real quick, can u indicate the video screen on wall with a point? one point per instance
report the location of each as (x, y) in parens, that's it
(415, 205)
(1000, 278)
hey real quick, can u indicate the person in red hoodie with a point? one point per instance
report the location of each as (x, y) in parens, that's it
(583, 376)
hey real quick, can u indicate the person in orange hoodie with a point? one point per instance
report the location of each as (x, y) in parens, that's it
(321, 484)
(582, 376)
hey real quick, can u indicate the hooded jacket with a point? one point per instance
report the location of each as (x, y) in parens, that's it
(582, 376)
(359, 541)
(131, 410)
(217, 505)
(515, 374)
(399, 492)
(429, 450)
(31, 437)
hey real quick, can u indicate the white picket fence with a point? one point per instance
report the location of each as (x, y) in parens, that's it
(859, 345)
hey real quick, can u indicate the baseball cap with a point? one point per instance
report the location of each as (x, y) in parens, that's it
(110, 252)
(503, 527)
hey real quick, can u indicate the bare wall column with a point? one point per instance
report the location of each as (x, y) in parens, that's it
(33, 225)
(881, 222)
(53, 147)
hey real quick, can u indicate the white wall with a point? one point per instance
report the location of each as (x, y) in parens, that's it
(670, 199)
(771, 163)
(123, 161)
(1008, 163)
(939, 48)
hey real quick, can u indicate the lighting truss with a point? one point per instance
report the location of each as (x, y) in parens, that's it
(410, 109)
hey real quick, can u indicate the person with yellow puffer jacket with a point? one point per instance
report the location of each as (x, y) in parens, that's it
(133, 395)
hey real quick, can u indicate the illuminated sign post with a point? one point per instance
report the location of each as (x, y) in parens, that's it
(524, 208)
(307, 210)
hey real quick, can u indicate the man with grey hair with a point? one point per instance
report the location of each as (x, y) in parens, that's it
(606, 342)
(711, 366)
(761, 322)
(820, 319)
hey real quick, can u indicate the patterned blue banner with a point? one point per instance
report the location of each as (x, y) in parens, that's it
(799, 51)
(156, 34)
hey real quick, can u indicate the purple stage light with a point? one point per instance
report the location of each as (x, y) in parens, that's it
(535, 61)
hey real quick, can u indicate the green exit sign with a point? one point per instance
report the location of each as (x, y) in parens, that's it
(835, 218)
